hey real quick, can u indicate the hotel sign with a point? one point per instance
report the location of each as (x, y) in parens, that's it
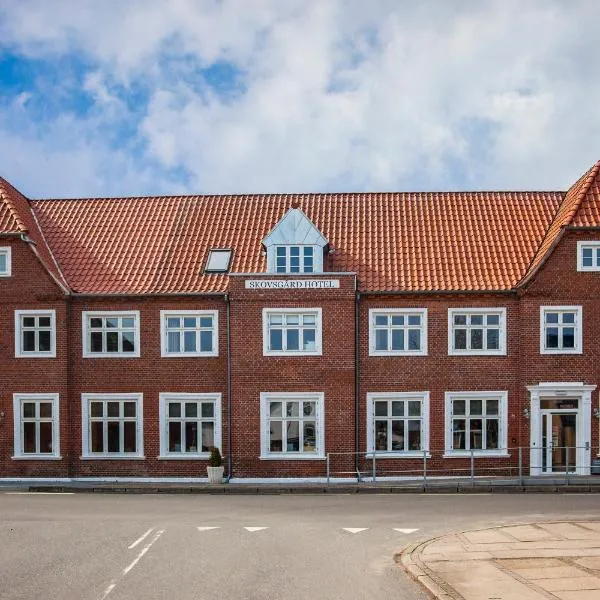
(291, 284)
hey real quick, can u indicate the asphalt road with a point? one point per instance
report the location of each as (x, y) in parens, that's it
(121, 547)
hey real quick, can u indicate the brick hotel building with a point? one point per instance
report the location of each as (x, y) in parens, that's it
(136, 333)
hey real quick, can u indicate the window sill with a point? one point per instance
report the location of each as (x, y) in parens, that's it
(477, 353)
(284, 456)
(292, 353)
(190, 355)
(36, 457)
(384, 455)
(561, 351)
(477, 454)
(112, 457)
(187, 456)
(376, 353)
(115, 355)
(36, 355)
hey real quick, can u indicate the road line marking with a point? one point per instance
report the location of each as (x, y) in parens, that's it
(135, 561)
(253, 529)
(207, 528)
(405, 530)
(354, 529)
(140, 539)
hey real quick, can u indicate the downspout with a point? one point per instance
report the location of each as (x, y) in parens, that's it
(357, 385)
(70, 448)
(229, 419)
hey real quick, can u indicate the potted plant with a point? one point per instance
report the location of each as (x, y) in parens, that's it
(215, 466)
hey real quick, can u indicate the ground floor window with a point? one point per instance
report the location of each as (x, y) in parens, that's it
(476, 421)
(397, 422)
(112, 426)
(292, 425)
(190, 425)
(36, 426)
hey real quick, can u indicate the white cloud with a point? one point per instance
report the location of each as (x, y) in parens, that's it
(332, 95)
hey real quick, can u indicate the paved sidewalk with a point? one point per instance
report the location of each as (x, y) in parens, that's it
(559, 560)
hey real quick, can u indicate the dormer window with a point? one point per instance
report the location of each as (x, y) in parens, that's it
(218, 260)
(295, 245)
(294, 259)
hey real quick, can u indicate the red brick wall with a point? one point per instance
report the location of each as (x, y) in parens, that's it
(70, 375)
(30, 287)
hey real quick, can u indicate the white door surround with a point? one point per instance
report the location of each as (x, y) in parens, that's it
(562, 391)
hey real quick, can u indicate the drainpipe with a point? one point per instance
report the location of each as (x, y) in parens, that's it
(357, 384)
(229, 459)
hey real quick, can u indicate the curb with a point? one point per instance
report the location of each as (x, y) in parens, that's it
(409, 559)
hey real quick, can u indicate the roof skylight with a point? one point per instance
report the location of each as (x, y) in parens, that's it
(218, 260)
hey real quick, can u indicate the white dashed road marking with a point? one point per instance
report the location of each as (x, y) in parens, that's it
(140, 539)
(253, 529)
(207, 528)
(39, 493)
(354, 529)
(405, 530)
(135, 561)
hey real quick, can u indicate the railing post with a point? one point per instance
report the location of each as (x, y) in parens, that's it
(521, 482)
(424, 470)
(327, 462)
(472, 467)
(567, 464)
(374, 468)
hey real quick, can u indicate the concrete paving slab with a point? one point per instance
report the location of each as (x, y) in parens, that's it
(570, 531)
(529, 533)
(577, 595)
(559, 584)
(550, 572)
(590, 562)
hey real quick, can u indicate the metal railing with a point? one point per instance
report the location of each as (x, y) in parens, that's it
(515, 464)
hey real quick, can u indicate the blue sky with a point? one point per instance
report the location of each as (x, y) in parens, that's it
(131, 97)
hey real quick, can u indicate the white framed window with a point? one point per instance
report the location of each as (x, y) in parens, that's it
(398, 332)
(36, 426)
(111, 334)
(292, 331)
(561, 330)
(35, 333)
(218, 260)
(189, 333)
(295, 259)
(292, 425)
(5, 261)
(398, 423)
(477, 331)
(190, 425)
(112, 426)
(588, 256)
(476, 421)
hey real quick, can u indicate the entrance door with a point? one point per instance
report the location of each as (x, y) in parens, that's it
(559, 441)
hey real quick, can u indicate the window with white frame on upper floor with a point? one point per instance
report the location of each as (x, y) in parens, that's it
(398, 332)
(398, 423)
(292, 425)
(476, 421)
(477, 331)
(112, 425)
(561, 330)
(190, 424)
(5, 261)
(292, 331)
(189, 333)
(294, 259)
(35, 333)
(36, 430)
(588, 256)
(111, 334)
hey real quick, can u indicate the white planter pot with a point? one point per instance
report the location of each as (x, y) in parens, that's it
(215, 474)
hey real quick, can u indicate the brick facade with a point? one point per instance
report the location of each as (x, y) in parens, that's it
(345, 372)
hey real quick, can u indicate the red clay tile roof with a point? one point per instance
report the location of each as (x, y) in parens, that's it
(580, 208)
(394, 241)
(449, 241)
(16, 216)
